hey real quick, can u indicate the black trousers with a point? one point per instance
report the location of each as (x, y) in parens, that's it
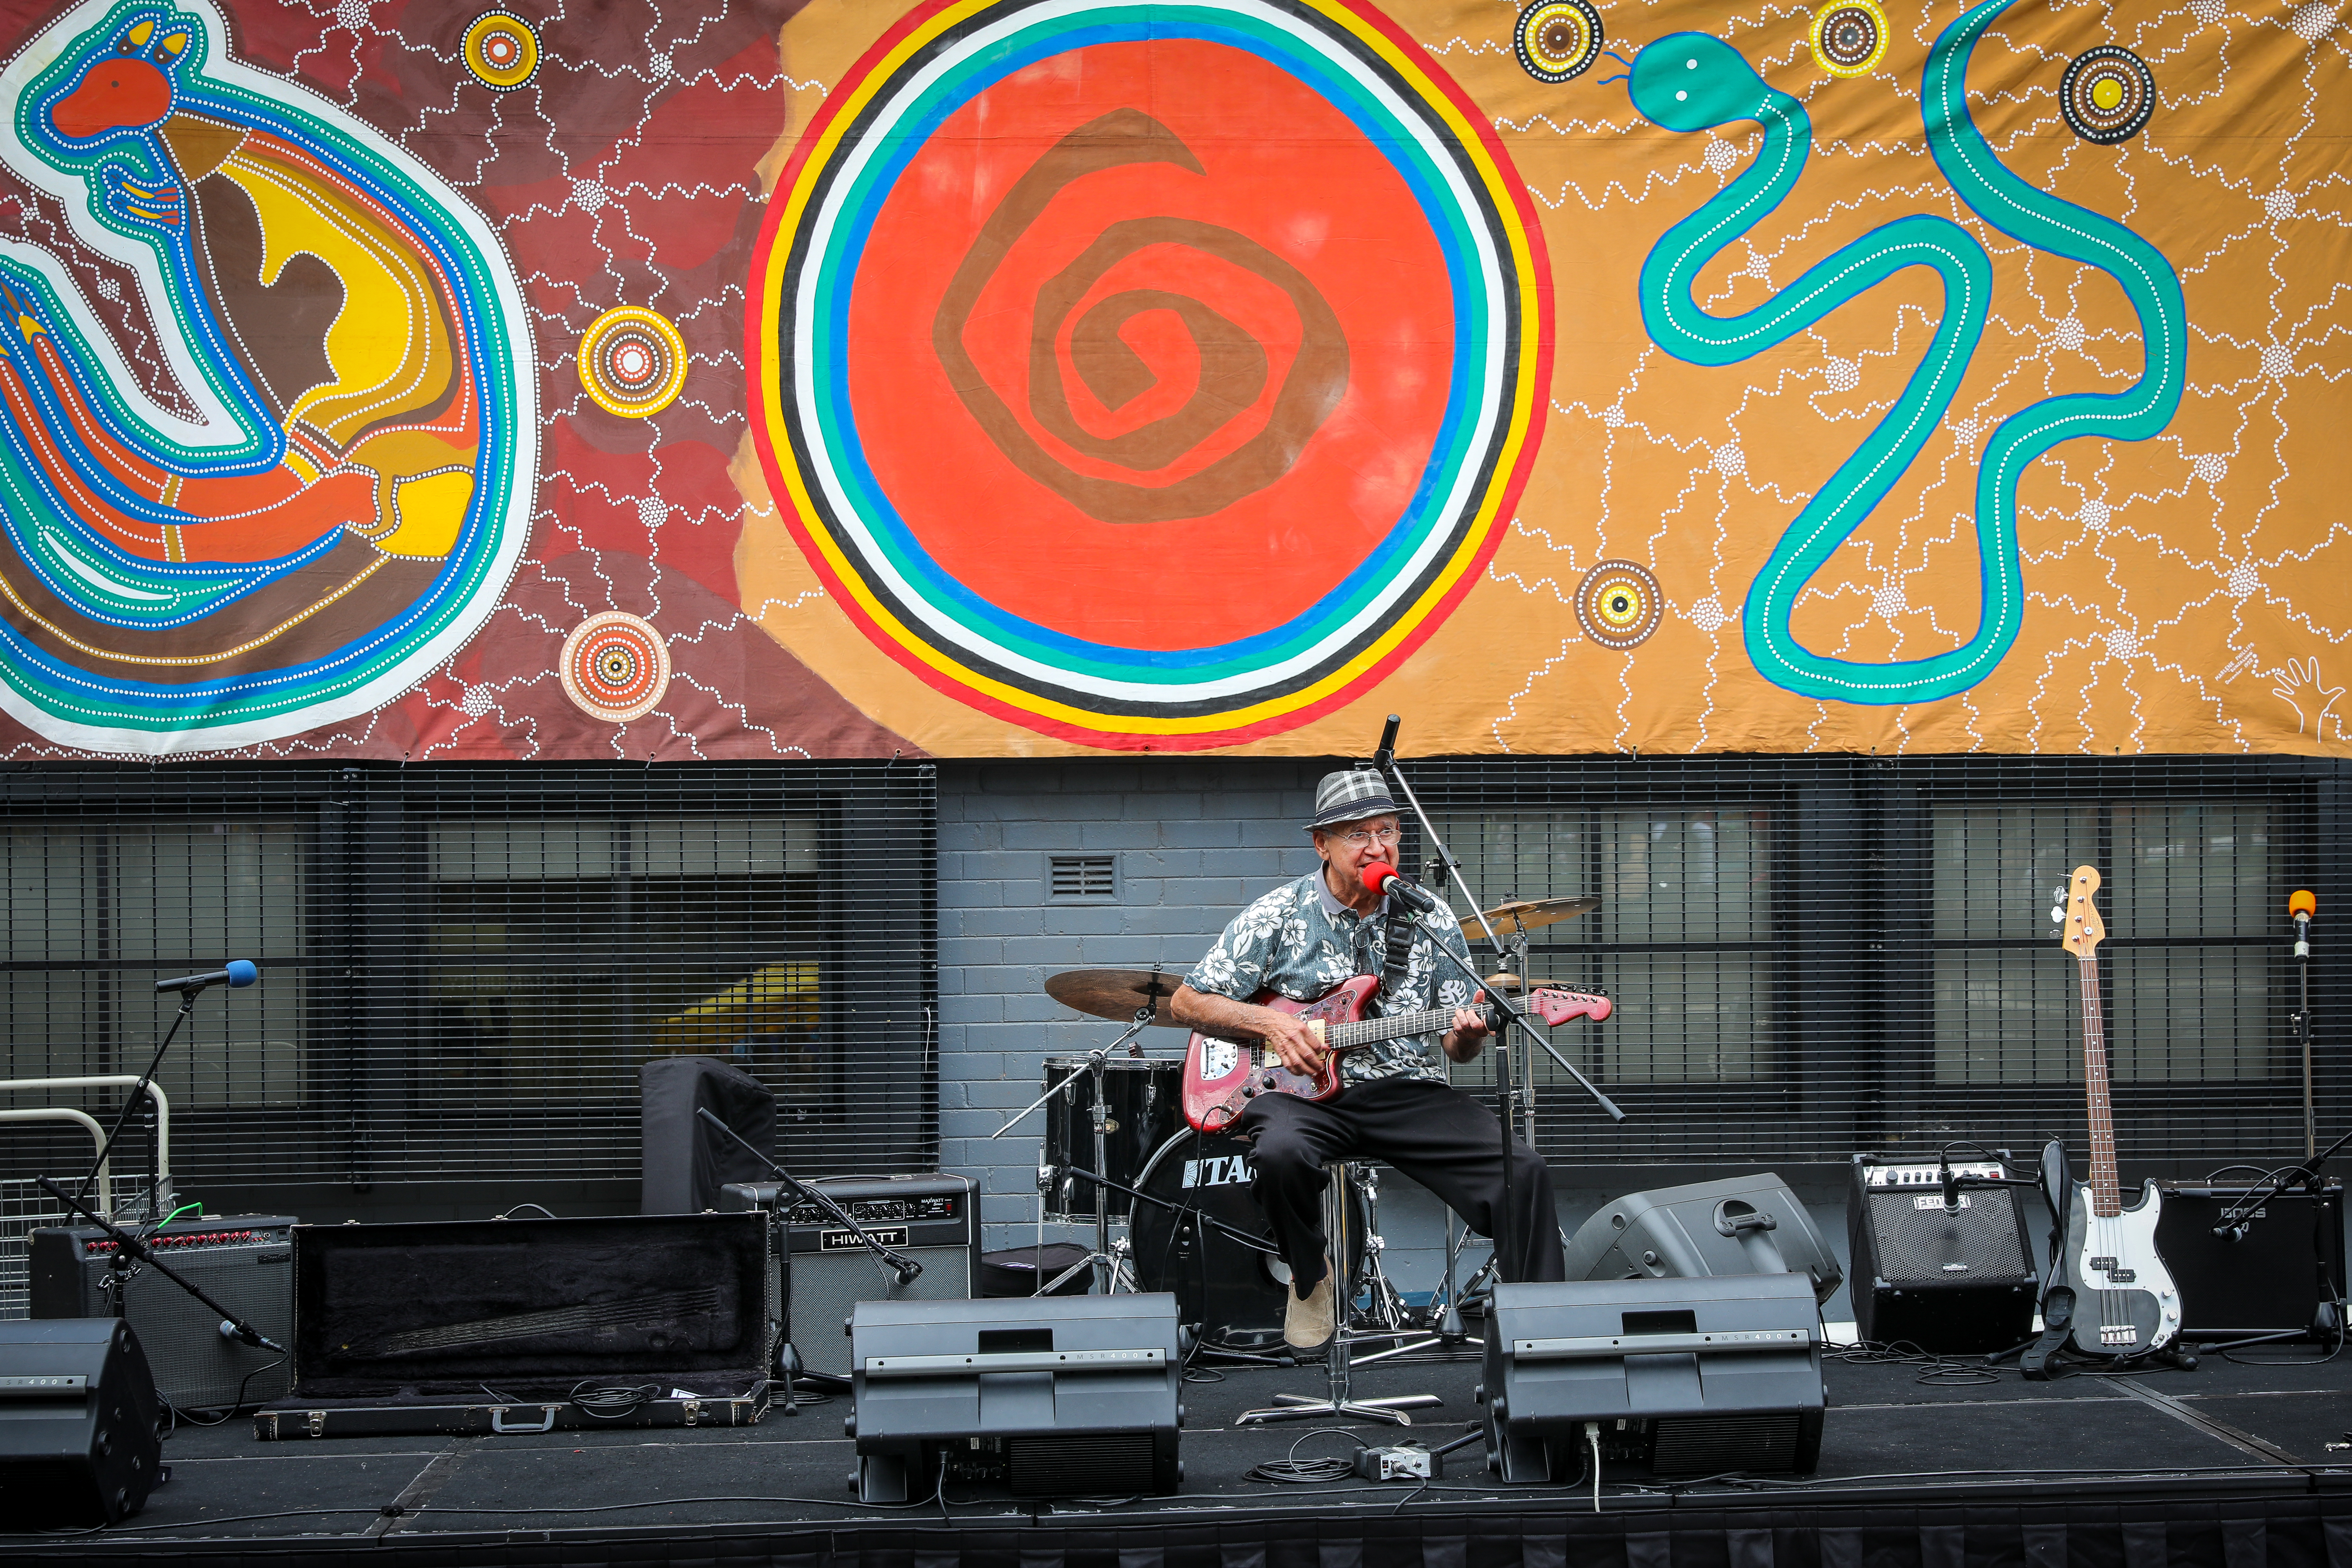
(1437, 1135)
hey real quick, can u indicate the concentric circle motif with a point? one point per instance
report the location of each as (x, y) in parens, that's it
(1618, 605)
(1559, 38)
(615, 667)
(501, 51)
(2107, 94)
(1850, 37)
(981, 417)
(632, 362)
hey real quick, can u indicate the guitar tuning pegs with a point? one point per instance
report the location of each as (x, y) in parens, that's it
(2058, 915)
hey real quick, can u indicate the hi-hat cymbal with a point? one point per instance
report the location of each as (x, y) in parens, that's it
(1529, 914)
(1117, 994)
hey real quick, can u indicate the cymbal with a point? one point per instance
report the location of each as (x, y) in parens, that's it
(1528, 915)
(1503, 979)
(1117, 994)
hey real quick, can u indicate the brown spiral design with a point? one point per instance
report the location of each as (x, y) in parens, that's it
(1234, 366)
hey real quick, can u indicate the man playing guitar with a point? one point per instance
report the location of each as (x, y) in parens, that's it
(1300, 940)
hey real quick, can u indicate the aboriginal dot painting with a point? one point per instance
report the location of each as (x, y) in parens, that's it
(394, 378)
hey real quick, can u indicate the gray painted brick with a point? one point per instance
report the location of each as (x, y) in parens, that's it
(970, 895)
(1173, 920)
(1095, 835)
(1020, 922)
(1193, 830)
(965, 1010)
(1227, 893)
(1168, 808)
(1057, 836)
(971, 1066)
(1084, 920)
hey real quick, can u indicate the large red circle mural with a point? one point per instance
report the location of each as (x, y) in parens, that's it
(1155, 377)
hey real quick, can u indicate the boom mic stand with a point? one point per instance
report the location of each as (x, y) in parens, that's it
(906, 1269)
(1508, 1008)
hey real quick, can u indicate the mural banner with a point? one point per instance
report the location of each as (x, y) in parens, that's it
(658, 380)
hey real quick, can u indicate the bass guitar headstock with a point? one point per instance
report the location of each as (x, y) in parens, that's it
(2081, 929)
(1556, 1006)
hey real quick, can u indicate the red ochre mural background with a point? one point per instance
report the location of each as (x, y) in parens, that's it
(707, 568)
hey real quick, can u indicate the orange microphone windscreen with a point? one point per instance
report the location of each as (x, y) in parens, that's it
(2301, 903)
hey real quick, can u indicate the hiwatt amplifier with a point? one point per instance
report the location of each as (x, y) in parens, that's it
(934, 1219)
(245, 1262)
(1686, 1376)
(2264, 1279)
(1951, 1281)
(1053, 1395)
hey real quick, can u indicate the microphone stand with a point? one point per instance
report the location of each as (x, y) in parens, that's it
(1507, 1009)
(130, 1249)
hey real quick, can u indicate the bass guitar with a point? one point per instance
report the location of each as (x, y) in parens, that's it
(2124, 1301)
(1220, 1076)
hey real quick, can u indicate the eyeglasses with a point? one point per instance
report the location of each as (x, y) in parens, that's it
(1361, 836)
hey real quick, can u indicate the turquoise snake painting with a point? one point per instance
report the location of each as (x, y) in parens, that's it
(328, 490)
(1691, 81)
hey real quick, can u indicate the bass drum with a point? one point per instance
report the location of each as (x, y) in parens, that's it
(1233, 1291)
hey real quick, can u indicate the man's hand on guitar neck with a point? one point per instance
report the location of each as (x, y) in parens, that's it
(1298, 1044)
(1468, 1036)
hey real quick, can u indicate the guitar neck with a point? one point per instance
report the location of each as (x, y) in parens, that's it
(2106, 1191)
(1371, 1031)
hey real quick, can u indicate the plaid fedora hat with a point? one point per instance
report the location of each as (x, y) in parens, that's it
(1350, 794)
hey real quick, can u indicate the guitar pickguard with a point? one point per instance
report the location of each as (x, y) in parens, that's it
(2126, 1301)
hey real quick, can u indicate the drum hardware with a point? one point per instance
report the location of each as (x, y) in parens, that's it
(1093, 991)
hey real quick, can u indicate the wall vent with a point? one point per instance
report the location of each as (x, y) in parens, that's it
(1085, 877)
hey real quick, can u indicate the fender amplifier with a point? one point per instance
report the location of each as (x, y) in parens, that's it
(1679, 1376)
(2267, 1280)
(1950, 1281)
(1053, 1395)
(80, 1427)
(245, 1263)
(934, 1219)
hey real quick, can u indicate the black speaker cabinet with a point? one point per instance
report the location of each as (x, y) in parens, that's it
(2265, 1282)
(80, 1424)
(422, 1310)
(1053, 1395)
(245, 1262)
(934, 1219)
(1685, 1376)
(1950, 1281)
(1740, 1225)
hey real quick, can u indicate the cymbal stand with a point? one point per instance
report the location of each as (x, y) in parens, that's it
(1108, 1259)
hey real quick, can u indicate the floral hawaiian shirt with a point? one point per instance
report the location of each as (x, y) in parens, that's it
(1301, 942)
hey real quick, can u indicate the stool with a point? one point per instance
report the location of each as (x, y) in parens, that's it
(1337, 1356)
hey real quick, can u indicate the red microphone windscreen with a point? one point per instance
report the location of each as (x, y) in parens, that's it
(2301, 903)
(1377, 875)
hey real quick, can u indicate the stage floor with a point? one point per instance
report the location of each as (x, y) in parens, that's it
(2224, 1430)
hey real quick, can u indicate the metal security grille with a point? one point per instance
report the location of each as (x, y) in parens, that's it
(1084, 876)
(1811, 957)
(464, 968)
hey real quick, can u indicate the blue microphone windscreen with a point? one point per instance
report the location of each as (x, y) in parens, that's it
(242, 972)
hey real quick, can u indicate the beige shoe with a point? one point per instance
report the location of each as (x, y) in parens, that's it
(1307, 1325)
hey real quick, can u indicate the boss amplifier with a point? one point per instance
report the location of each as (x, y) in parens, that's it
(245, 1262)
(1951, 1281)
(2266, 1280)
(934, 1219)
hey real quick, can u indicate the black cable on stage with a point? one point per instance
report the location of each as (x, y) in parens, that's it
(1292, 1471)
(235, 1405)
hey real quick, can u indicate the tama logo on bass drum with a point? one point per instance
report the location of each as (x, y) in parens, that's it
(1218, 1170)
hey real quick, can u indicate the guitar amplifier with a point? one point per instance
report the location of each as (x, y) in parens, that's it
(934, 1219)
(1684, 1376)
(245, 1263)
(1950, 1281)
(2266, 1282)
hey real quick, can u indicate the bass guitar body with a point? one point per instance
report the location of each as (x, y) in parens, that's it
(2126, 1303)
(1221, 1077)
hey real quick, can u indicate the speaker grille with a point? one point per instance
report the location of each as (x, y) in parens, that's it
(1979, 1244)
(1066, 1465)
(1702, 1445)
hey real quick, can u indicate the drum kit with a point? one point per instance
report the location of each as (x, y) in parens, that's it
(1115, 1148)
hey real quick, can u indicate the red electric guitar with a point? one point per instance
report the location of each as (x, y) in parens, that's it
(1223, 1076)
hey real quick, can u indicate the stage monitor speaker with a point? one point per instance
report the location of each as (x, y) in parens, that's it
(1739, 1225)
(80, 1430)
(685, 1160)
(934, 1219)
(1950, 1281)
(2266, 1282)
(1679, 1376)
(245, 1262)
(1053, 1395)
